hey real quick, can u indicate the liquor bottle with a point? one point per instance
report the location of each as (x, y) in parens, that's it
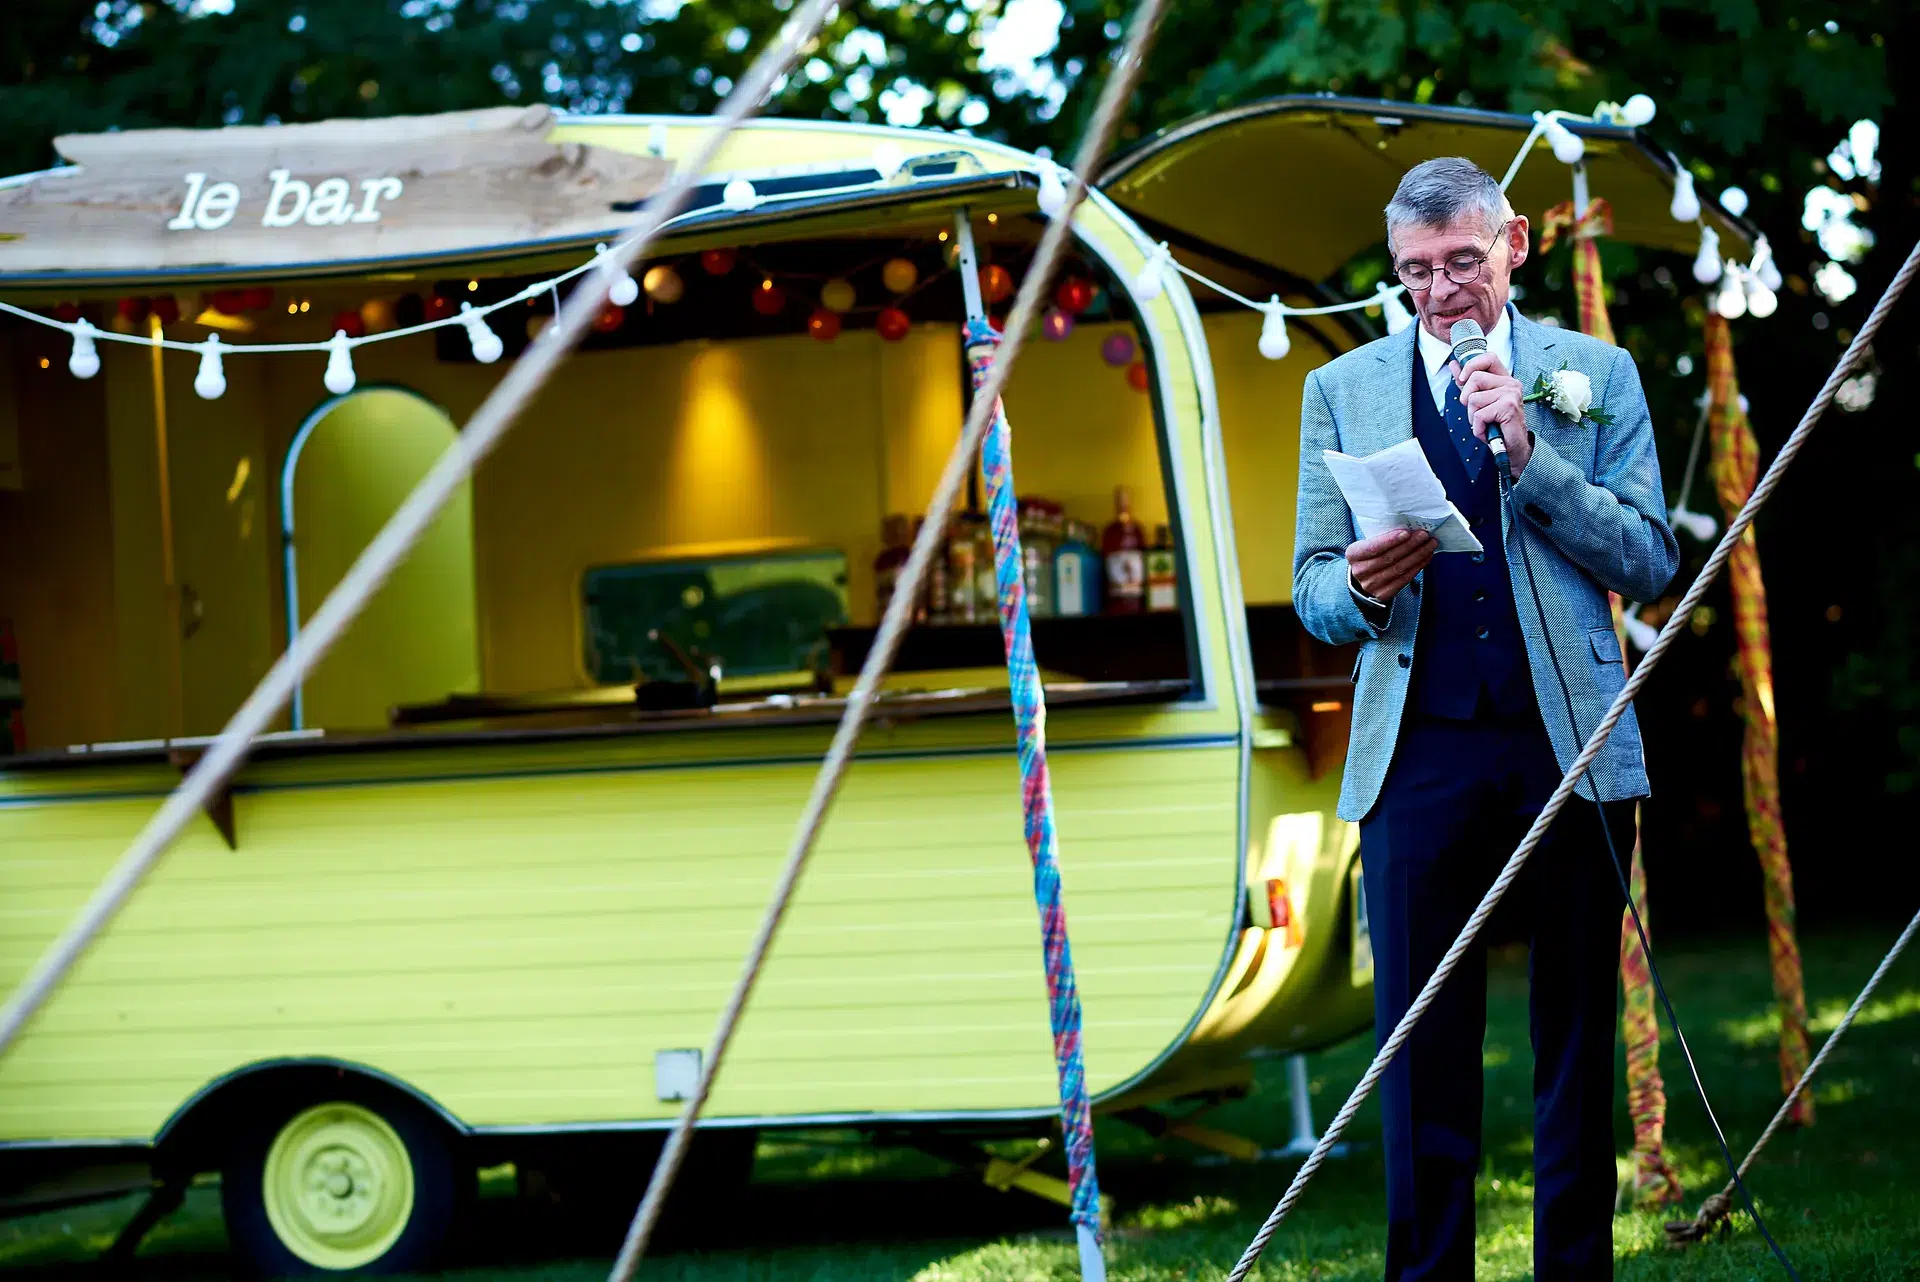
(962, 558)
(986, 588)
(1125, 548)
(1039, 534)
(939, 585)
(1163, 581)
(1076, 573)
(894, 549)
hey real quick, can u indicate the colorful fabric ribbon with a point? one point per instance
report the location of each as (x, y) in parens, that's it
(1735, 466)
(1030, 719)
(1654, 1181)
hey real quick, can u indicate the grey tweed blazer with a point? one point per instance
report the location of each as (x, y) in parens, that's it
(1594, 519)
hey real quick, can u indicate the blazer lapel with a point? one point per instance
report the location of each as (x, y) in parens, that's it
(1391, 418)
(1533, 345)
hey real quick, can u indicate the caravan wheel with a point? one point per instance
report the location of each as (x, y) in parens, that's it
(361, 1184)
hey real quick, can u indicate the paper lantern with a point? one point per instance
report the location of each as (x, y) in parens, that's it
(131, 310)
(823, 324)
(996, 283)
(611, 317)
(1057, 323)
(1074, 295)
(893, 324)
(166, 309)
(997, 323)
(837, 295)
(228, 302)
(769, 299)
(1137, 376)
(663, 284)
(377, 315)
(899, 275)
(717, 262)
(409, 310)
(439, 307)
(349, 323)
(257, 298)
(1117, 349)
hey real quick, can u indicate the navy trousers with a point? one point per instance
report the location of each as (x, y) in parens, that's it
(1457, 800)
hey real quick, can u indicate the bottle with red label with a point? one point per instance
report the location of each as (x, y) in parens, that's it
(1125, 548)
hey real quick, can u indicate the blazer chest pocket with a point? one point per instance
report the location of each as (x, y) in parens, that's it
(1606, 645)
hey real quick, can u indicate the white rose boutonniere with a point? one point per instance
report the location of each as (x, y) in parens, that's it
(1569, 392)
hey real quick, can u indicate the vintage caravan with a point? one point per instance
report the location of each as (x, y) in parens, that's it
(481, 895)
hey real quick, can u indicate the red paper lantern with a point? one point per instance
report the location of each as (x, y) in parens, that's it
(439, 307)
(717, 262)
(68, 312)
(1137, 376)
(996, 282)
(167, 309)
(824, 325)
(1074, 295)
(257, 298)
(998, 323)
(893, 324)
(769, 299)
(131, 309)
(349, 323)
(611, 317)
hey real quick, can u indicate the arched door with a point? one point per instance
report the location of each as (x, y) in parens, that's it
(348, 468)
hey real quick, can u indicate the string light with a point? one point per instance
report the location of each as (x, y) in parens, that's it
(84, 362)
(625, 289)
(1637, 111)
(1567, 145)
(1701, 526)
(1686, 204)
(1734, 201)
(1640, 634)
(1392, 308)
(1274, 343)
(1706, 264)
(1763, 265)
(210, 383)
(887, 160)
(486, 344)
(739, 195)
(1731, 302)
(1053, 192)
(1152, 277)
(1761, 301)
(339, 378)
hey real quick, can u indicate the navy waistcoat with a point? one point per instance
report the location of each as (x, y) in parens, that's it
(1469, 653)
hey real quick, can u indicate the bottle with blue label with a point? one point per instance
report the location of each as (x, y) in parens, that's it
(1076, 573)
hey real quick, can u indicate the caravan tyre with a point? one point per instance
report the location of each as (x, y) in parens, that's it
(359, 1184)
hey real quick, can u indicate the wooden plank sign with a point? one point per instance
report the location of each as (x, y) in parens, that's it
(306, 194)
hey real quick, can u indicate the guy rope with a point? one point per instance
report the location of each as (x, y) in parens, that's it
(1735, 530)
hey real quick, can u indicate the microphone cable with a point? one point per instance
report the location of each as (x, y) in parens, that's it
(1505, 481)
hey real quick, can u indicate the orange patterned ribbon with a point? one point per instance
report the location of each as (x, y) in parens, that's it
(1735, 465)
(1654, 1181)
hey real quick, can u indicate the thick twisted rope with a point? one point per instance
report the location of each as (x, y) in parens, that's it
(1719, 1205)
(1036, 795)
(893, 624)
(403, 530)
(1708, 573)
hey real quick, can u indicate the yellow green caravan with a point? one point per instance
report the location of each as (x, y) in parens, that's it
(481, 895)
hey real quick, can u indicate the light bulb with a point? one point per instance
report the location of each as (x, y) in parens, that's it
(1706, 263)
(1637, 110)
(486, 344)
(84, 362)
(1053, 192)
(887, 159)
(1686, 205)
(1731, 302)
(1151, 279)
(1392, 308)
(1763, 265)
(739, 194)
(1566, 144)
(1698, 524)
(625, 289)
(339, 376)
(1761, 301)
(1640, 634)
(211, 381)
(1734, 201)
(1274, 343)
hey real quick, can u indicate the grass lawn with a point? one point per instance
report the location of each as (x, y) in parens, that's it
(1843, 1198)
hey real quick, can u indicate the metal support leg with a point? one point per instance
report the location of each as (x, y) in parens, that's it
(1304, 1137)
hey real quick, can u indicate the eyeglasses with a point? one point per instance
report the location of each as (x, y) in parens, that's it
(1461, 269)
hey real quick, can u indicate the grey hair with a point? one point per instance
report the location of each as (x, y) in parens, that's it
(1437, 193)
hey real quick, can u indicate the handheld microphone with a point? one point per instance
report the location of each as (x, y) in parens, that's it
(1468, 342)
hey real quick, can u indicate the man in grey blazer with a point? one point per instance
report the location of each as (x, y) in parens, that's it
(1460, 725)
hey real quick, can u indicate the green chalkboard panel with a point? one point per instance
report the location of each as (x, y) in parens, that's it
(753, 615)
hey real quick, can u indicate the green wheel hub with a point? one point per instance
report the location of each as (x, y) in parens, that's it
(338, 1186)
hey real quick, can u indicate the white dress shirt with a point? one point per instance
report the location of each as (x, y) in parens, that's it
(1434, 353)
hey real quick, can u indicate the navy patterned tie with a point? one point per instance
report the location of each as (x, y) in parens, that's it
(1473, 452)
